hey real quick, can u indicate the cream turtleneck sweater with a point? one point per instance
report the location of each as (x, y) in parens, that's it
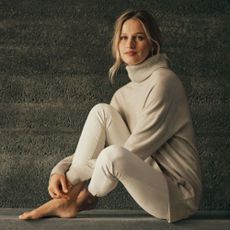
(155, 108)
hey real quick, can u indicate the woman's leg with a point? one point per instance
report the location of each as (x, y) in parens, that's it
(147, 185)
(104, 126)
(57, 207)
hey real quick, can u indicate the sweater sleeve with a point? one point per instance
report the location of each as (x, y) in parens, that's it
(62, 166)
(156, 123)
(115, 103)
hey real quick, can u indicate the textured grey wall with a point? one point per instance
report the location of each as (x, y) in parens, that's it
(53, 69)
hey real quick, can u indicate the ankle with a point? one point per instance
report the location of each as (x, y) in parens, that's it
(76, 190)
(86, 199)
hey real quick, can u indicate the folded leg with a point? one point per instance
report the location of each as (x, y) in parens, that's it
(144, 183)
(104, 126)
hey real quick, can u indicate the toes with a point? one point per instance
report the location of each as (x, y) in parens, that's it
(24, 216)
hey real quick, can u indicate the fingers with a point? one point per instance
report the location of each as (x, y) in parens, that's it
(55, 193)
(58, 193)
(64, 185)
(52, 193)
(58, 187)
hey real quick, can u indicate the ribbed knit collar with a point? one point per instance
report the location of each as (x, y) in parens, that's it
(140, 72)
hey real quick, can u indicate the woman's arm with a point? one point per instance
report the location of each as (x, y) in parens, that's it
(58, 183)
(114, 102)
(62, 166)
(160, 119)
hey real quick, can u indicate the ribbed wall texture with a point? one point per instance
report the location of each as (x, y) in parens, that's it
(54, 58)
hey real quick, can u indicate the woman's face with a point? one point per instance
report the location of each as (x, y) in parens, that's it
(134, 46)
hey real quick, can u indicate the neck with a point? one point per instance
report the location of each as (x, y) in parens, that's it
(140, 72)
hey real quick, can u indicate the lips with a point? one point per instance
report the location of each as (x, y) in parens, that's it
(130, 53)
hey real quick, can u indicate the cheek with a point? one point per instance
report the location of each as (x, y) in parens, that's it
(146, 47)
(145, 50)
(120, 49)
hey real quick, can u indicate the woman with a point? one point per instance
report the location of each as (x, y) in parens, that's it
(144, 138)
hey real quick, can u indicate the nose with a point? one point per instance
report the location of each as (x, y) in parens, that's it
(131, 43)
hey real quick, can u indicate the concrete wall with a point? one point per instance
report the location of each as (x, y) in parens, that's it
(54, 57)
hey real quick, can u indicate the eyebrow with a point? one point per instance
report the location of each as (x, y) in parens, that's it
(135, 33)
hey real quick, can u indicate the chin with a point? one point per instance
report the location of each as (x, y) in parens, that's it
(134, 61)
(131, 61)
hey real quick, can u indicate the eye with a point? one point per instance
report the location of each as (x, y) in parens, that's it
(123, 37)
(140, 37)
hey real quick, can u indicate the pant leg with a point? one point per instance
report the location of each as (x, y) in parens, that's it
(144, 183)
(103, 126)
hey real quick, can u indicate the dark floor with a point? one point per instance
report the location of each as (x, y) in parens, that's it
(115, 219)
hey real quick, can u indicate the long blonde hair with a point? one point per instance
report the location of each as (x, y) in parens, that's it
(150, 27)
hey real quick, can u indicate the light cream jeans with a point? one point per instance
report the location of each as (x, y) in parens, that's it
(100, 156)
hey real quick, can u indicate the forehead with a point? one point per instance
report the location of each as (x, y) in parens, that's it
(132, 26)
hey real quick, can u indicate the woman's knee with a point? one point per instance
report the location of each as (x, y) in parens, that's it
(103, 112)
(102, 107)
(114, 155)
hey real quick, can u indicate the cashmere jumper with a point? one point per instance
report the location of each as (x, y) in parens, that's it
(155, 109)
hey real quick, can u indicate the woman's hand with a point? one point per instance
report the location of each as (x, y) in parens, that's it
(59, 186)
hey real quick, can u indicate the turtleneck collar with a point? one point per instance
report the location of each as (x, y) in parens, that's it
(140, 72)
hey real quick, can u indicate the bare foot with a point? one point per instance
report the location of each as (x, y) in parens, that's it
(56, 207)
(65, 208)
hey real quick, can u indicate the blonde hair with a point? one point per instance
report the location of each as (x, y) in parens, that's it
(150, 27)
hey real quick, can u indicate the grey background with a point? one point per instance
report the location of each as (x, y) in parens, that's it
(54, 58)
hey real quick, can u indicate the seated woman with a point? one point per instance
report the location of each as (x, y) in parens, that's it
(144, 138)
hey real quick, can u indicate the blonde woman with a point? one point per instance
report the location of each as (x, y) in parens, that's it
(144, 138)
